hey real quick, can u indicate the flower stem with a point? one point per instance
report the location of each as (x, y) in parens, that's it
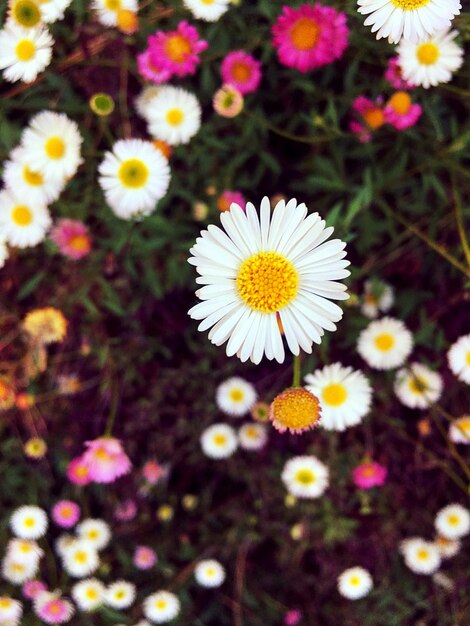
(296, 375)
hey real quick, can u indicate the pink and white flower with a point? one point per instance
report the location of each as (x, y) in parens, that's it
(144, 557)
(106, 460)
(65, 513)
(72, 238)
(52, 609)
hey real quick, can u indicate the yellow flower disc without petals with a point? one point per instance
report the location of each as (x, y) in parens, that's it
(133, 173)
(174, 117)
(21, 215)
(305, 476)
(384, 342)
(26, 13)
(295, 410)
(55, 148)
(427, 53)
(334, 394)
(410, 5)
(25, 50)
(35, 179)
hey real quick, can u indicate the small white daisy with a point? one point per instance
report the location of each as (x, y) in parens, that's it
(24, 551)
(459, 430)
(432, 61)
(355, 583)
(385, 343)
(120, 594)
(53, 10)
(134, 176)
(209, 573)
(207, 10)
(252, 436)
(22, 224)
(235, 396)
(88, 594)
(378, 296)
(29, 522)
(108, 10)
(95, 531)
(447, 547)
(411, 19)
(161, 607)
(459, 358)
(24, 52)
(422, 557)
(80, 559)
(344, 394)
(453, 521)
(305, 477)
(417, 387)
(18, 573)
(10, 611)
(219, 441)
(175, 115)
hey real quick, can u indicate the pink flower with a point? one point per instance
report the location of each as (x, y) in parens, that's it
(176, 51)
(77, 472)
(32, 588)
(309, 37)
(72, 238)
(371, 116)
(242, 71)
(65, 513)
(150, 71)
(106, 460)
(153, 472)
(52, 609)
(126, 510)
(228, 101)
(227, 197)
(394, 75)
(292, 617)
(400, 111)
(144, 557)
(369, 474)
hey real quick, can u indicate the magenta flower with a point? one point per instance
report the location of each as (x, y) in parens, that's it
(369, 474)
(400, 111)
(394, 76)
(292, 617)
(310, 36)
(78, 473)
(178, 50)
(242, 71)
(65, 513)
(125, 511)
(106, 460)
(72, 238)
(371, 117)
(227, 197)
(32, 588)
(150, 71)
(52, 609)
(144, 557)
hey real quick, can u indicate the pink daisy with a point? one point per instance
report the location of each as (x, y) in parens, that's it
(150, 71)
(369, 474)
(52, 609)
(144, 557)
(394, 76)
(106, 460)
(400, 111)
(292, 617)
(33, 588)
(125, 511)
(65, 513)
(310, 36)
(178, 50)
(372, 117)
(72, 238)
(77, 472)
(153, 472)
(226, 198)
(242, 71)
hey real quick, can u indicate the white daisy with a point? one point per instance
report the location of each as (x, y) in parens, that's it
(219, 441)
(385, 343)
(411, 19)
(10, 611)
(344, 394)
(80, 559)
(4, 252)
(53, 10)
(22, 224)
(64, 541)
(305, 477)
(29, 522)
(207, 10)
(18, 573)
(144, 101)
(95, 531)
(120, 594)
(378, 296)
(459, 358)
(175, 115)
(447, 547)
(24, 551)
(107, 10)
(24, 52)
(252, 436)
(161, 607)
(459, 430)
(53, 143)
(88, 594)
(432, 61)
(134, 176)
(209, 573)
(235, 396)
(267, 276)
(453, 521)
(417, 387)
(355, 583)
(422, 557)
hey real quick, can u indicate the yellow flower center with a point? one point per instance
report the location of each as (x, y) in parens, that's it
(25, 548)
(220, 440)
(80, 243)
(55, 148)
(5, 603)
(427, 53)
(26, 13)
(177, 48)
(32, 178)
(251, 432)
(93, 534)
(112, 5)
(305, 476)
(354, 581)
(133, 173)
(267, 281)
(127, 21)
(30, 522)
(101, 454)
(174, 117)
(55, 607)
(240, 72)
(384, 342)
(297, 409)
(410, 5)
(368, 471)
(25, 50)
(422, 554)
(91, 594)
(81, 556)
(304, 33)
(467, 357)
(21, 215)
(453, 519)
(374, 117)
(334, 394)
(236, 395)
(160, 604)
(400, 102)
(418, 385)
(207, 1)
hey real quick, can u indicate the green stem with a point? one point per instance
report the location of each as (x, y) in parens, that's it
(296, 376)
(460, 220)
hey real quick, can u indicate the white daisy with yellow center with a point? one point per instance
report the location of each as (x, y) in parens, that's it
(266, 277)
(52, 142)
(344, 394)
(108, 10)
(120, 594)
(219, 441)
(417, 387)
(252, 436)
(80, 558)
(459, 358)
(24, 52)
(161, 607)
(24, 551)
(10, 611)
(175, 115)
(18, 573)
(459, 430)
(453, 521)
(95, 531)
(207, 10)
(355, 583)
(411, 20)
(209, 573)
(432, 61)
(134, 177)
(29, 522)
(378, 296)
(53, 10)
(447, 547)
(22, 224)
(385, 344)
(235, 396)
(25, 13)
(305, 477)
(422, 557)
(88, 594)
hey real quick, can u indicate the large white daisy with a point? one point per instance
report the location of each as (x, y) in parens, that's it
(344, 394)
(208, 10)
(134, 176)
(161, 607)
(24, 52)
(267, 276)
(355, 583)
(385, 343)
(53, 10)
(80, 558)
(453, 521)
(305, 477)
(29, 522)
(175, 115)
(459, 358)
(422, 557)
(411, 19)
(95, 531)
(235, 396)
(22, 224)
(432, 61)
(10, 611)
(108, 10)
(418, 387)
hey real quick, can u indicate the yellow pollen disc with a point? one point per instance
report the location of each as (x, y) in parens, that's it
(210, 571)
(305, 476)
(384, 342)
(81, 471)
(177, 48)
(112, 5)
(91, 594)
(26, 13)
(55, 148)
(160, 604)
(81, 557)
(267, 282)
(207, 1)
(120, 594)
(418, 385)
(467, 357)
(240, 72)
(55, 607)
(17, 567)
(32, 178)
(220, 440)
(334, 394)
(374, 118)
(295, 409)
(101, 454)
(21, 215)
(79, 243)
(236, 395)
(5, 603)
(422, 554)
(400, 102)
(354, 581)
(427, 53)
(453, 519)
(25, 50)
(25, 548)
(304, 34)
(410, 5)
(93, 534)
(368, 471)
(251, 432)
(133, 173)
(174, 117)
(30, 522)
